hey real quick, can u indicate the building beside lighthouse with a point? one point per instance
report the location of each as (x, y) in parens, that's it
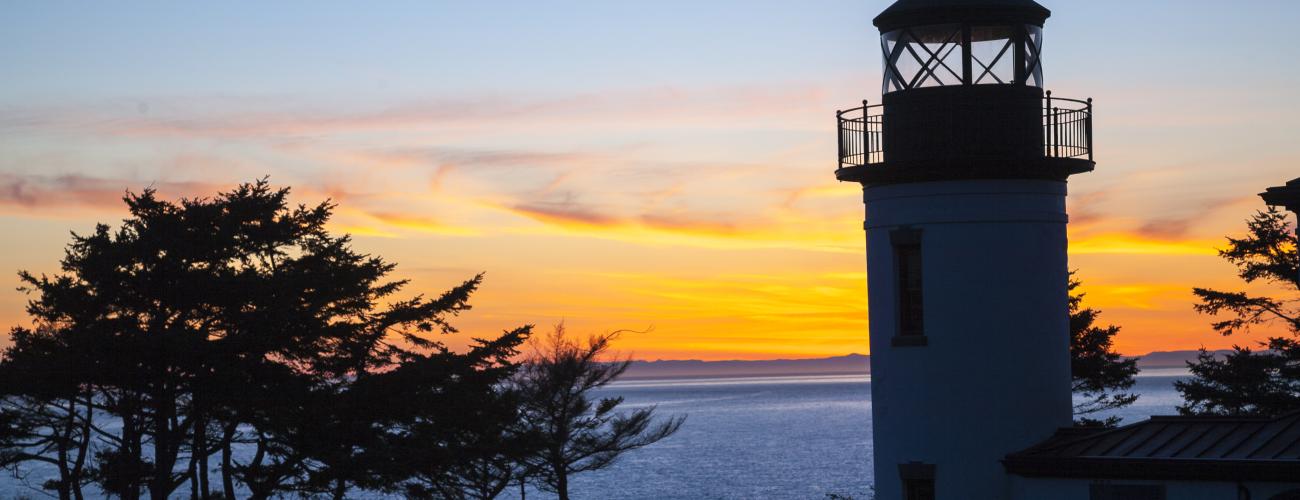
(964, 164)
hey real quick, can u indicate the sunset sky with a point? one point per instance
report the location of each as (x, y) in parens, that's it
(646, 165)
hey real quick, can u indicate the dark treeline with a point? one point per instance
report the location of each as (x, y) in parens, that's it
(1264, 380)
(1100, 376)
(231, 347)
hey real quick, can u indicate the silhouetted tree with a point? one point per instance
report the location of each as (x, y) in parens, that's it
(579, 434)
(472, 451)
(45, 410)
(207, 324)
(1246, 381)
(1100, 375)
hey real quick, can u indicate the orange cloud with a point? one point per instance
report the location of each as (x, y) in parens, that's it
(1137, 243)
(819, 235)
(420, 224)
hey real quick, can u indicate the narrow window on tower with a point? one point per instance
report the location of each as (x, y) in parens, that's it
(918, 480)
(909, 289)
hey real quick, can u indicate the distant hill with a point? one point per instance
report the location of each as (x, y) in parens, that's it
(1171, 359)
(850, 364)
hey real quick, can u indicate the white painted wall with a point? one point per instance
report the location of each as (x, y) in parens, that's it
(995, 377)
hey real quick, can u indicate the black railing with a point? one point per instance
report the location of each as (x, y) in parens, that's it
(1067, 131)
(1067, 127)
(861, 135)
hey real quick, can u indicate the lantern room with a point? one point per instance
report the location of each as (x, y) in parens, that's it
(963, 97)
(930, 43)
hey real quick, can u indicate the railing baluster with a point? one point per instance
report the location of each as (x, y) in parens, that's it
(1063, 123)
(866, 139)
(1078, 134)
(1047, 110)
(1069, 130)
(1068, 140)
(1090, 129)
(1056, 133)
(1074, 135)
(839, 136)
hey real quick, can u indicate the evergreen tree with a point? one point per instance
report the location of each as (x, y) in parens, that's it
(578, 433)
(1247, 381)
(208, 324)
(1100, 376)
(470, 452)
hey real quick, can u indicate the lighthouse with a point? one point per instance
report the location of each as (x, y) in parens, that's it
(964, 163)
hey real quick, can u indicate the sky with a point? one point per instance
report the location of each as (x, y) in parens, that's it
(665, 167)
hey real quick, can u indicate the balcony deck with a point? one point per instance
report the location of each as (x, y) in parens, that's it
(879, 143)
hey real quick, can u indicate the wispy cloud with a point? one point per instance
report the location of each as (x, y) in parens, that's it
(255, 118)
(29, 192)
(421, 224)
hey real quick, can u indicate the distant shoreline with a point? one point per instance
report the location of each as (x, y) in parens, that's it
(631, 378)
(852, 364)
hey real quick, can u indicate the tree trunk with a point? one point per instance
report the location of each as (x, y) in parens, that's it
(62, 436)
(194, 478)
(201, 456)
(163, 455)
(64, 492)
(132, 448)
(562, 482)
(227, 463)
(83, 447)
(340, 489)
(263, 487)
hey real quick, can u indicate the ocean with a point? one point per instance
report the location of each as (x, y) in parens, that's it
(796, 437)
(773, 437)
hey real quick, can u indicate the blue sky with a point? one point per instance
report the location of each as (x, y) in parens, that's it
(60, 50)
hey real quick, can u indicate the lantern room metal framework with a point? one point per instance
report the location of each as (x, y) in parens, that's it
(962, 54)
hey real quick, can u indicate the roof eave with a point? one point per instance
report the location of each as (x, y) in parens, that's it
(890, 20)
(1287, 196)
(1152, 468)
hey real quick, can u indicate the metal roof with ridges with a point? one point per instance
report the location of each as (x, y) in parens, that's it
(1235, 448)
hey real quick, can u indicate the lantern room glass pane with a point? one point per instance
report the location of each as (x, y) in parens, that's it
(1033, 55)
(993, 55)
(923, 56)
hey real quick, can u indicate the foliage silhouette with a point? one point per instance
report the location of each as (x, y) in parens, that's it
(1246, 381)
(204, 325)
(1100, 376)
(45, 416)
(578, 434)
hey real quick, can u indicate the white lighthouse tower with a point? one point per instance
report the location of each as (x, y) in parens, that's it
(964, 166)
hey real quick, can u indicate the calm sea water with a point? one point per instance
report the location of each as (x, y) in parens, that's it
(746, 438)
(779, 437)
